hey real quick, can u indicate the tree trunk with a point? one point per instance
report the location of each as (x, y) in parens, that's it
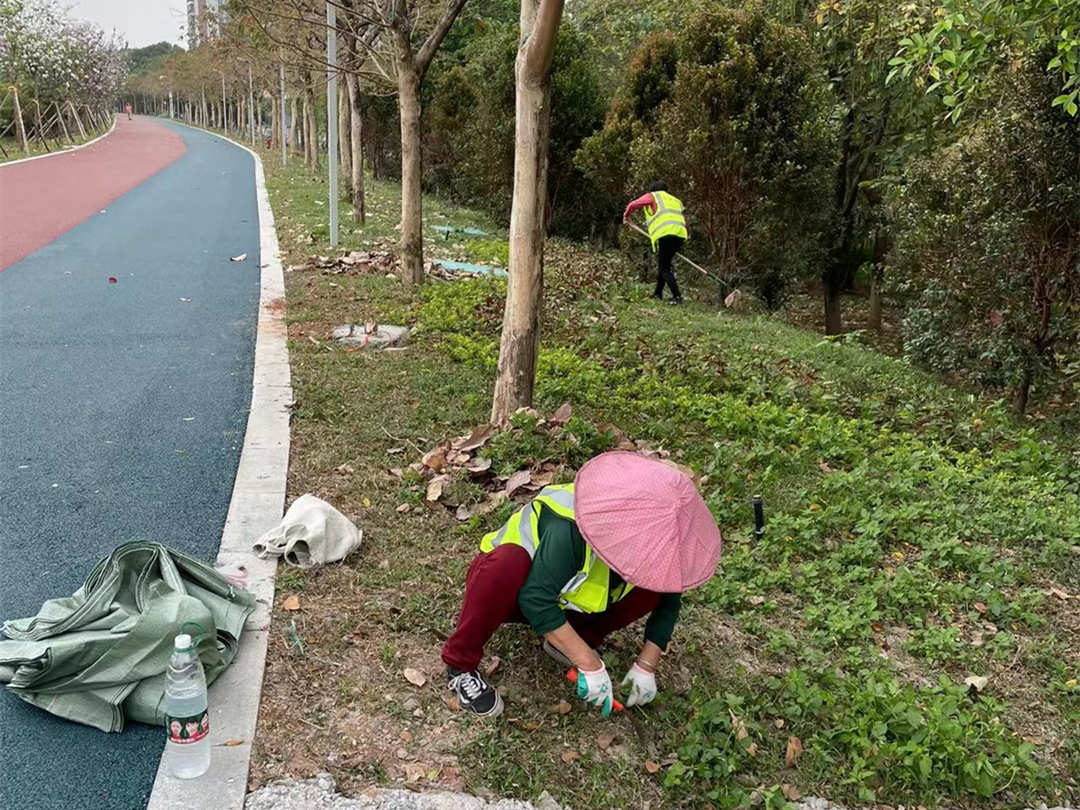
(1023, 390)
(356, 140)
(834, 324)
(292, 124)
(520, 342)
(312, 133)
(275, 122)
(412, 212)
(345, 136)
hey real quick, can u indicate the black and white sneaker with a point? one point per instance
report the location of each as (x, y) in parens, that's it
(474, 693)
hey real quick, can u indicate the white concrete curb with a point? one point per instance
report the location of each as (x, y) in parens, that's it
(258, 501)
(67, 151)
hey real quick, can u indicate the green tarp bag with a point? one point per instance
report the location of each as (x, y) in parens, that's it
(99, 657)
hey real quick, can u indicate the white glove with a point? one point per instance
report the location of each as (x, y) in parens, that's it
(642, 686)
(595, 688)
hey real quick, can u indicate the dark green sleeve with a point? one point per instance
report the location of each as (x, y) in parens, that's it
(560, 556)
(661, 623)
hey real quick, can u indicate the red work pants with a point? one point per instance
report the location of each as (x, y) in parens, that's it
(491, 593)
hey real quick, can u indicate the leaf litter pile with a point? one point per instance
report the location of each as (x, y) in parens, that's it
(469, 477)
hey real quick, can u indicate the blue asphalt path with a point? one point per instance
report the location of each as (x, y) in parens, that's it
(123, 414)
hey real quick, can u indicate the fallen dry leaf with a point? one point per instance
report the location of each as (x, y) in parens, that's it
(562, 707)
(231, 743)
(345, 468)
(794, 751)
(740, 727)
(517, 481)
(435, 487)
(652, 767)
(778, 723)
(752, 749)
(493, 665)
(414, 676)
(239, 258)
(403, 508)
(478, 438)
(570, 757)
(453, 704)
(979, 606)
(756, 600)
(434, 459)
(976, 682)
(790, 793)
(562, 415)
(366, 502)
(824, 467)
(1060, 594)
(415, 771)
(478, 465)
(604, 740)
(291, 602)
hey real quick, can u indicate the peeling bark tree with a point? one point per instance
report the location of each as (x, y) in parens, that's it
(521, 319)
(311, 131)
(411, 66)
(345, 136)
(356, 121)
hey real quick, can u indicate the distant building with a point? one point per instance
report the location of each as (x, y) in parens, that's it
(204, 18)
(192, 24)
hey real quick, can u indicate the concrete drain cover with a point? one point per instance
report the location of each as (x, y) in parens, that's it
(370, 335)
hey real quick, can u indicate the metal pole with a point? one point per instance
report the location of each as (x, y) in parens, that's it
(251, 104)
(332, 117)
(284, 129)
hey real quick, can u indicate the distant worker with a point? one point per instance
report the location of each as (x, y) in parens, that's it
(579, 562)
(667, 230)
(127, 109)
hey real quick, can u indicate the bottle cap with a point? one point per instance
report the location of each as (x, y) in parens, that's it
(182, 642)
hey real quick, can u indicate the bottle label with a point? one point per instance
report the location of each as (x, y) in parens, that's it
(185, 730)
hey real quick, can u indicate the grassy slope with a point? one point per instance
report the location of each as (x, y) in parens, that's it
(917, 535)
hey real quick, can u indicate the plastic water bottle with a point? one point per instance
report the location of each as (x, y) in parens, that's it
(186, 719)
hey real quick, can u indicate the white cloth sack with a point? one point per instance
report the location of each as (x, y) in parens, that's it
(311, 533)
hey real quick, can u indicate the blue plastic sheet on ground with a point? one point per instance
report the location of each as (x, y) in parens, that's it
(448, 230)
(465, 267)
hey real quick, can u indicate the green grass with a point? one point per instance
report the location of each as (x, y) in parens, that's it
(916, 535)
(15, 152)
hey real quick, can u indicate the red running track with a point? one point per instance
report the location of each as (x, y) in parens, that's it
(42, 199)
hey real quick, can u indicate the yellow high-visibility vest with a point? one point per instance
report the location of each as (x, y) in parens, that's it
(665, 217)
(588, 590)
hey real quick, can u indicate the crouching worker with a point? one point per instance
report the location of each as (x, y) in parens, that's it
(581, 561)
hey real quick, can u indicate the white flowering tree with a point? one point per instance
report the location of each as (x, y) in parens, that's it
(52, 60)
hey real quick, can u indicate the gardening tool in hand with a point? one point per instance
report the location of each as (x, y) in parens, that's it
(693, 264)
(572, 676)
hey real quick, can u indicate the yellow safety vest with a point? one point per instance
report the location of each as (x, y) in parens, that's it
(588, 590)
(665, 218)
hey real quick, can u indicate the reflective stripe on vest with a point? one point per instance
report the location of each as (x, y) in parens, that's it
(665, 218)
(588, 590)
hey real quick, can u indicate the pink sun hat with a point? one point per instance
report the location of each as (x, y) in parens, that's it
(646, 520)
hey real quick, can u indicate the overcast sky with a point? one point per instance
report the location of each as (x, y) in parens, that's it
(140, 22)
